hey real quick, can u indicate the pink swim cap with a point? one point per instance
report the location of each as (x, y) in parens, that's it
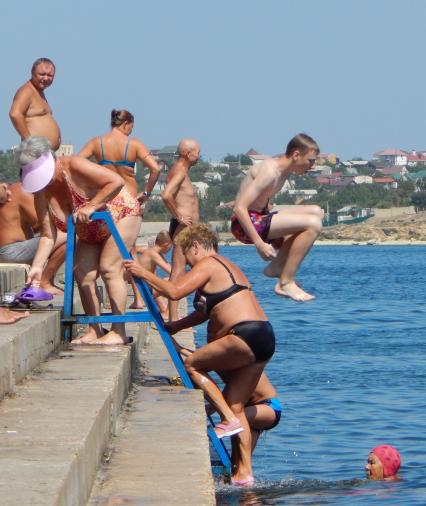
(390, 459)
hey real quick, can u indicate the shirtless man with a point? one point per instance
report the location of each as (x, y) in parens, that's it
(18, 222)
(4, 193)
(293, 231)
(151, 258)
(180, 198)
(30, 112)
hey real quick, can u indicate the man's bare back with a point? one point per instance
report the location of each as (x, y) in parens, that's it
(30, 112)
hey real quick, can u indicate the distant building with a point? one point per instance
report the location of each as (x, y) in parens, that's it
(287, 186)
(323, 170)
(394, 170)
(219, 165)
(306, 194)
(256, 157)
(166, 155)
(65, 150)
(363, 179)
(416, 157)
(417, 176)
(353, 213)
(387, 182)
(324, 158)
(213, 176)
(201, 188)
(391, 156)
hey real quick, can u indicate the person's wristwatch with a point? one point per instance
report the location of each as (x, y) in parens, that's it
(146, 194)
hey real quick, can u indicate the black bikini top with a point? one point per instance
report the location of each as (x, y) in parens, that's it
(214, 298)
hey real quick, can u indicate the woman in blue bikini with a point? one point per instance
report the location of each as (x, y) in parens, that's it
(241, 339)
(117, 151)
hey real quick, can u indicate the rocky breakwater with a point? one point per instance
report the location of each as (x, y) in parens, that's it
(406, 228)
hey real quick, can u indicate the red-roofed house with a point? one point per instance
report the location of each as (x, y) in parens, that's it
(392, 156)
(394, 170)
(416, 157)
(386, 182)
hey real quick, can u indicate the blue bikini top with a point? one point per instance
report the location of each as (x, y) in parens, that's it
(123, 162)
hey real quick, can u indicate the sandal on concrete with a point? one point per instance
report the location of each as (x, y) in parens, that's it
(228, 429)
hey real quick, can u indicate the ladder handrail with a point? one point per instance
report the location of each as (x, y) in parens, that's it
(152, 315)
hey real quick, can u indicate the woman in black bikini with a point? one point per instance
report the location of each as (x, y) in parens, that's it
(242, 341)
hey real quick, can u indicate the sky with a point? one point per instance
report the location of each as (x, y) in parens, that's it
(234, 74)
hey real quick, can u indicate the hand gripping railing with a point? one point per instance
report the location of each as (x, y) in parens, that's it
(152, 315)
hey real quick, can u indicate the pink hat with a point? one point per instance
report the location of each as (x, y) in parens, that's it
(390, 459)
(38, 174)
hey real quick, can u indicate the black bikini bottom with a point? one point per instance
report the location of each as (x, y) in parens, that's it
(259, 336)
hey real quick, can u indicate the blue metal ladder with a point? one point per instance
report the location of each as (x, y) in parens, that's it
(152, 315)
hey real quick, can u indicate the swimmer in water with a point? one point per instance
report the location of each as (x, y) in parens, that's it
(383, 463)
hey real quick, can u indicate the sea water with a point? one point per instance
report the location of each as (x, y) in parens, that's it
(350, 368)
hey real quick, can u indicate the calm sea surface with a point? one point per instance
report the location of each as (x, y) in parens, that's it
(351, 370)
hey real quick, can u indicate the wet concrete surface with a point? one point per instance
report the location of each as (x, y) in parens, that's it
(160, 454)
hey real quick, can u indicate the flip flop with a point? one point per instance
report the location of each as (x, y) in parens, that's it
(31, 293)
(243, 483)
(228, 429)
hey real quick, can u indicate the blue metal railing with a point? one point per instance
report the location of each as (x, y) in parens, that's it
(151, 315)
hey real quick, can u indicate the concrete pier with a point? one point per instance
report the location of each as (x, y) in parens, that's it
(161, 452)
(59, 413)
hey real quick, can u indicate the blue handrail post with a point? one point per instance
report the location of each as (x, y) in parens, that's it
(69, 276)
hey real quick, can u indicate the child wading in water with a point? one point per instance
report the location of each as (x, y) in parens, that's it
(150, 258)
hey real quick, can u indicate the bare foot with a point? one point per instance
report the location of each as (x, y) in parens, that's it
(111, 338)
(7, 316)
(88, 338)
(54, 290)
(135, 305)
(272, 271)
(293, 291)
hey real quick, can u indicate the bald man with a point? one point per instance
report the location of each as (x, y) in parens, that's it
(30, 112)
(180, 198)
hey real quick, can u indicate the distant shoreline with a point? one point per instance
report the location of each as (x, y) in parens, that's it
(224, 242)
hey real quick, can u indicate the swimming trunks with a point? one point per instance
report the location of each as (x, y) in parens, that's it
(259, 336)
(275, 404)
(174, 223)
(96, 232)
(124, 161)
(262, 224)
(20, 252)
(211, 299)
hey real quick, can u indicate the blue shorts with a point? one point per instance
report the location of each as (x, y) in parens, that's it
(275, 404)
